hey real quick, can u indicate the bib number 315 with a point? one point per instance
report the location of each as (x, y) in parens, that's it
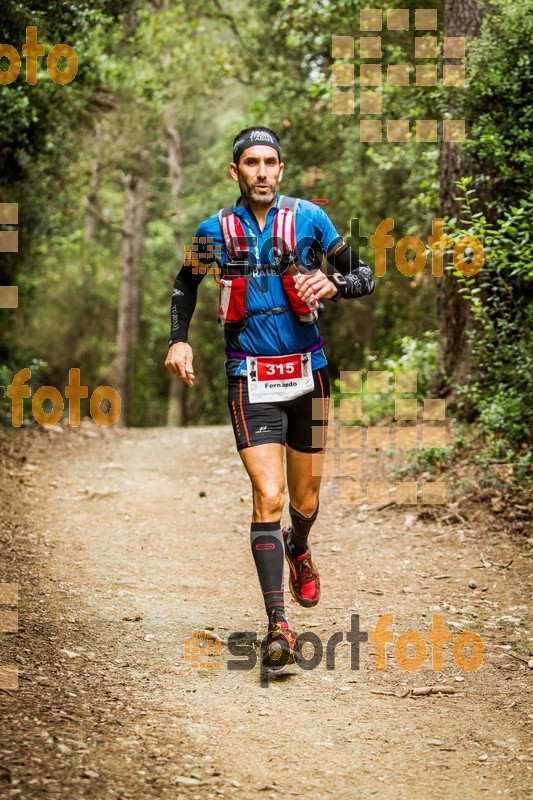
(278, 378)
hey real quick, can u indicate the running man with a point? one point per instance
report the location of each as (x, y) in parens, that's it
(270, 249)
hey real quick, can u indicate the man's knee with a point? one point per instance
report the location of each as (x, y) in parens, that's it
(307, 507)
(270, 498)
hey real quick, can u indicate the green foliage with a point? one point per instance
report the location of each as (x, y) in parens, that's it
(410, 355)
(502, 306)
(207, 71)
(433, 458)
(498, 102)
(35, 118)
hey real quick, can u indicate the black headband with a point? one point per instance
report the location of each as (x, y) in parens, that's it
(255, 137)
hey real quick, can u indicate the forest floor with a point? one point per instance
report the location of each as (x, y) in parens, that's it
(125, 542)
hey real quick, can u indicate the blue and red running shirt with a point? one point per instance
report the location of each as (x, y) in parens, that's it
(271, 334)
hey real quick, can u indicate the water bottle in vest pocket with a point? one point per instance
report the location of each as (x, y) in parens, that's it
(232, 302)
(306, 312)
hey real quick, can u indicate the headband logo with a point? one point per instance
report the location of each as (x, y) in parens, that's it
(261, 136)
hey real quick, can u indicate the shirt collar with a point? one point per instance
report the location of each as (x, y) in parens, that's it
(242, 210)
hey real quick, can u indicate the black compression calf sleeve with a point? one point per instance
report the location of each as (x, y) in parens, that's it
(269, 556)
(301, 528)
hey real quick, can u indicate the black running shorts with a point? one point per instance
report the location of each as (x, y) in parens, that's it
(289, 422)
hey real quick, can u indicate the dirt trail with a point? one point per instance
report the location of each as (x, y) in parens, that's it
(119, 559)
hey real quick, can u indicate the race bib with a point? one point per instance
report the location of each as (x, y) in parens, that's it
(278, 378)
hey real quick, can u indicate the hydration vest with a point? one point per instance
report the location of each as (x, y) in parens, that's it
(233, 310)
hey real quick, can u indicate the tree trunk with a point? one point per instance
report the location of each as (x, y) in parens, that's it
(93, 203)
(454, 358)
(133, 229)
(176, 387)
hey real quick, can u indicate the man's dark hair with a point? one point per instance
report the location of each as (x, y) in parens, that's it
(247, 131)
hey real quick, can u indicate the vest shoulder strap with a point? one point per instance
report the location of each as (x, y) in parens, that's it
(284, 228)
(233, 233)
(288, 202)
(224, 213)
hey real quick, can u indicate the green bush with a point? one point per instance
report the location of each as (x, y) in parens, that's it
(500, 299)
(412, 355)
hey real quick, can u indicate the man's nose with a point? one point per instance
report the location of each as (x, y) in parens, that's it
(261, 170)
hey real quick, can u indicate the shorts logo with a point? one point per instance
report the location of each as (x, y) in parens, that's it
(263, 429)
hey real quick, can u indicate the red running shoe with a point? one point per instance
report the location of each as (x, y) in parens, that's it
(281, 645)
(304, 580)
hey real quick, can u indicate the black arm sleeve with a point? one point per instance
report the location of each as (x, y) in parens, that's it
(359, 277)
(183, 303)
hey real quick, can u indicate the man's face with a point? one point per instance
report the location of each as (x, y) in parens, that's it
(258, 174)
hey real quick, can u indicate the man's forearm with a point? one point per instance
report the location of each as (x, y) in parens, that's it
(358, 275)
(183, 303)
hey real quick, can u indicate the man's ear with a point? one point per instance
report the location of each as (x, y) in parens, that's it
(233, 171)
(281, 168)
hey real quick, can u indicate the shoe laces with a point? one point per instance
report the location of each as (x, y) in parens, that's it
(306, 570)
(277, 626)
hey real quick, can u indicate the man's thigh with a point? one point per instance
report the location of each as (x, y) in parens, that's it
(304, 475)
(307, 416)
(254, 423)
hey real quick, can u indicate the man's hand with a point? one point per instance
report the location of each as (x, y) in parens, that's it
(179, 362)
(313, 286)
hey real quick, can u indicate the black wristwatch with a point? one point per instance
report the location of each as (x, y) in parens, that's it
(339, 282)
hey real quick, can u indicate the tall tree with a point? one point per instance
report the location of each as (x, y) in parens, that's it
(454, 359)
(176, 388)
(133, 232)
